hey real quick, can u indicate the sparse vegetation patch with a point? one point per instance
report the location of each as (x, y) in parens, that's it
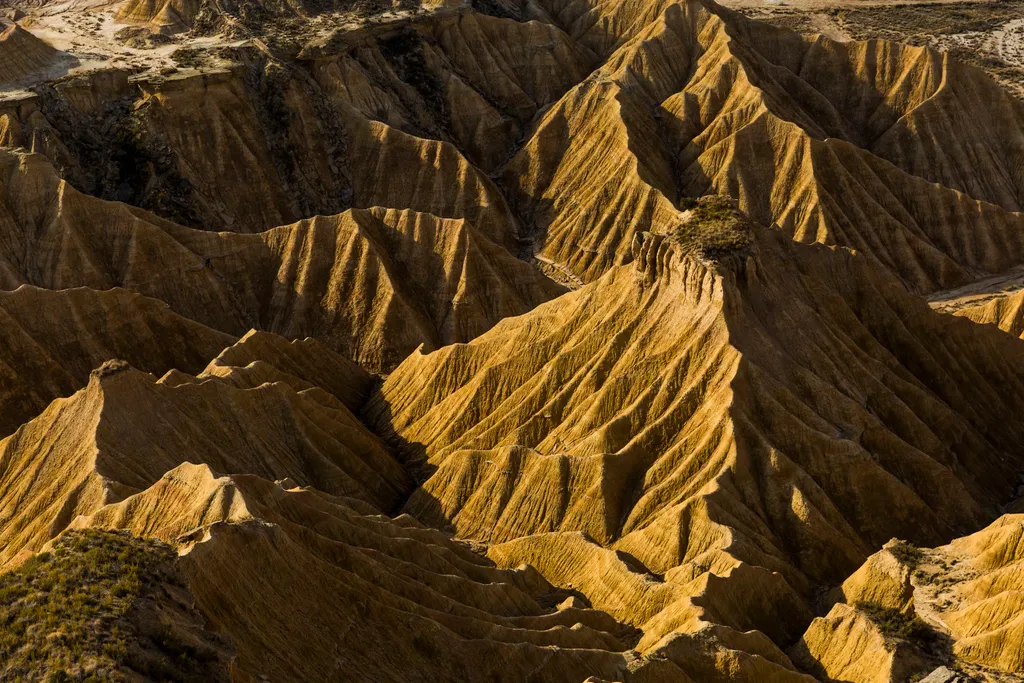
(86, 611)
(713, 228)
(899, 626)
(188, 57)
(907, 553)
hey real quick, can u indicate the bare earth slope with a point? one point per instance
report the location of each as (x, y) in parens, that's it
(120, 434)
(373, 284)
(24, 57)
(352, 594)
(964, 597)
(54, 339)
(835, 143)
(670, 410)
(548, 341)
(871, 145)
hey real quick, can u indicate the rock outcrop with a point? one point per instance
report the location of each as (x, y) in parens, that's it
(54, 339)
(24, 57)
(121, 432)
(838, 143)
(956, 605)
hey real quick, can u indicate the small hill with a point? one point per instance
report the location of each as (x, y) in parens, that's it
(23, 56)
(1005, 311)
(120, 433)
(54, 339)
(309, 585)
(372, 284)
(165, 16)
(957, 605)
(260, 356)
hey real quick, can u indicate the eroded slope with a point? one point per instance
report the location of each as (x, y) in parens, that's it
(121, 432)
(599, 122)
(373, 284)
(955, 605)
(690, 412)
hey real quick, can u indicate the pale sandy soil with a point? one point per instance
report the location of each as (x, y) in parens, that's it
(979, 292)
(986, 33)
(827, 4)
(86, 30)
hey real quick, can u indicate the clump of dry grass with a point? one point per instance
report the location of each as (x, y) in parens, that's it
(713, 229)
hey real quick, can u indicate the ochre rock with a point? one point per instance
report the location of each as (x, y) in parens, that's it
(54, 339)
(372, 284)
(120, 434)
(690, 412)
(968, 593)
(23, 55)
(846, 645)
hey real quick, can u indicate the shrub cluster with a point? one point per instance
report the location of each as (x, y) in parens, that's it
(73, 613)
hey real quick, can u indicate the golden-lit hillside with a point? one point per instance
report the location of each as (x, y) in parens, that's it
(509, 341)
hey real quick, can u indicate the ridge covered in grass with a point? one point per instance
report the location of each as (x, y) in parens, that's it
(103, 606)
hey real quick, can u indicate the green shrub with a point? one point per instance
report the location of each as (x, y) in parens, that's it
(906, 553)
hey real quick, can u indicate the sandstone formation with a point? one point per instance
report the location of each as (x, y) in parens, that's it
(459, 616)
(548, 341)
(839, 143)
(1004, 310)
(166, 16)
(54, 339)
(120, 433)
(668, 411)
(985, 615)
(964, 596)
(847, 645)
(369, 574)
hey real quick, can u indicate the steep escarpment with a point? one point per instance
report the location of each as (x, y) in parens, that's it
(261, 356)
(668, 411)
(384, 444)
(390, 280)
(23, 56)
(598, 122)
(350, 570)
(360, 575)
(54, 339)
(314, 133)
(987, 306)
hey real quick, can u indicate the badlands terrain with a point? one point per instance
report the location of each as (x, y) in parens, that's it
(521, 340)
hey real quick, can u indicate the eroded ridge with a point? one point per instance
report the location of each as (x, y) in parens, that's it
(512, 341)
(669, 413)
